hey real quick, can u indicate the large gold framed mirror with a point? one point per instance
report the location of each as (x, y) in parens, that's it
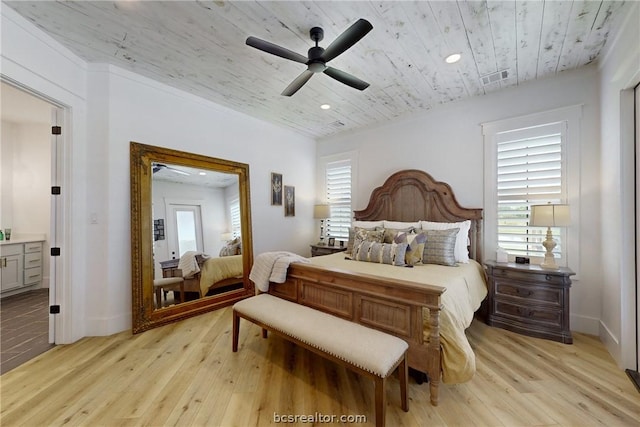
(191, 246)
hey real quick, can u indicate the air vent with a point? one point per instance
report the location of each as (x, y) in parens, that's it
(336, 124)
(494, 77)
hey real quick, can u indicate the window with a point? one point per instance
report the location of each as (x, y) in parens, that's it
(338, 194)
(531, 160)
(234, 213)
(529, 171)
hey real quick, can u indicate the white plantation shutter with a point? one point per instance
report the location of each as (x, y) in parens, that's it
(234, 211)
(338, 182)
(530, 171)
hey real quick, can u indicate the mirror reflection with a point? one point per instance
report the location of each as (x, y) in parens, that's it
(197, 245)
(191, 246)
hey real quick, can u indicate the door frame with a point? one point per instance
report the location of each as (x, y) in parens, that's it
(58, 287)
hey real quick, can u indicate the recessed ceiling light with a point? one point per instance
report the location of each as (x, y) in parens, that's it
(453, 58)
(202, 173)
(325, 106)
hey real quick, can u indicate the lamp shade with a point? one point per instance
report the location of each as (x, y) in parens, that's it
(550, 216)
(226, 236)
(321, 211)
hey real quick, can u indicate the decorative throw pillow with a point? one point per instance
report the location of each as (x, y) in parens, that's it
(383, 253)
(462, 240)
(440, 247)
(415, 248)
(230, 249)
(391, 233)
(358, 233)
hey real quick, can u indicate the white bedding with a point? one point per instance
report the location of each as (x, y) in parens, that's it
(466, 288)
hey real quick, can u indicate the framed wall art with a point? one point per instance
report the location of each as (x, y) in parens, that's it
(276, 189)
(289, 200)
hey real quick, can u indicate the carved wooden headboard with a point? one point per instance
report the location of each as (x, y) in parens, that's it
(413, 195)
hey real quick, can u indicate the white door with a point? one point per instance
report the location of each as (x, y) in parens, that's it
(184, 229)
(637, 145)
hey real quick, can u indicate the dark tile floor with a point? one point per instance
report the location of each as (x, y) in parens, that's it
(24, 328)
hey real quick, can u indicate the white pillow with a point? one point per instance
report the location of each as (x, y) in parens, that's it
(401, 225)
(367, 224)
(461, 250)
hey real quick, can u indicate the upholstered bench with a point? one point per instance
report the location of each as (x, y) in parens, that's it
(364, 350)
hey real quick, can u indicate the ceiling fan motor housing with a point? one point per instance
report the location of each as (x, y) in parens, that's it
(316, 63)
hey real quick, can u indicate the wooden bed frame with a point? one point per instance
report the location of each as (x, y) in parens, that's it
(391, 306)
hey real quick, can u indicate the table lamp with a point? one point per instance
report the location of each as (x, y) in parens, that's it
(549, 216)
(225, 237)
(321, 212)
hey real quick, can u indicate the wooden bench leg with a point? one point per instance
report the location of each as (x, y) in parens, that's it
(381, 403)
(403, 373)
(236, 331)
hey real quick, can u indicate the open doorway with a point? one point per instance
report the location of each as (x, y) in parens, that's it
(28, 155)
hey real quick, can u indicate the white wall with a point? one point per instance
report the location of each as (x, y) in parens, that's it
(620, 72)
(26, 182)
(108, 108)
(447, 142)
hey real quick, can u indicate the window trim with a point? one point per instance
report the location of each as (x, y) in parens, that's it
(571, 116)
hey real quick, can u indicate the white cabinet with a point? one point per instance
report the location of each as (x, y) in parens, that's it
(20, 265)
(11, 266)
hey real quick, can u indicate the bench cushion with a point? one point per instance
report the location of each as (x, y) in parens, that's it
(366, 348)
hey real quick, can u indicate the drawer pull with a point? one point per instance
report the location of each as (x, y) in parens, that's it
(34, 260)
(548, 277)
(524, 312)
(523, 292)
(34, 275)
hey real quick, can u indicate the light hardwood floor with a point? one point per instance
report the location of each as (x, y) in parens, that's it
(185, 374)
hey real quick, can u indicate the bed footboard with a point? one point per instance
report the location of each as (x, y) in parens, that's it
(390, 306)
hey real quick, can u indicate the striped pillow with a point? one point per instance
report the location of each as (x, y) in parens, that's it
(440, 247)
(383, 253)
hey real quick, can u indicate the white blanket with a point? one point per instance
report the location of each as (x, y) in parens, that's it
(272, 267)
(188, 263)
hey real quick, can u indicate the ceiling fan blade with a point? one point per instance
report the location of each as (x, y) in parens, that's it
(346, 78)
(178, 171)
(347, 39)
(274, 49)
(297, 83)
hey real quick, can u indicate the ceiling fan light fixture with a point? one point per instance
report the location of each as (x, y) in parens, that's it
(453, 58)
(325, 106)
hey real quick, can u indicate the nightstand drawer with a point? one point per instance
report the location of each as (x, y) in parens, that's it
(533, 293)
(528, 315)
(529, 276)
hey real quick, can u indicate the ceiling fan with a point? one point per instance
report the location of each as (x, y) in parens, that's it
(159, 166)
(318, 57)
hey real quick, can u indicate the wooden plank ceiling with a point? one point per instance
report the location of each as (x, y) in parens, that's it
(200, 47)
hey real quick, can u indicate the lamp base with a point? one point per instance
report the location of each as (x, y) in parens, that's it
(549, 263)
(549, 260)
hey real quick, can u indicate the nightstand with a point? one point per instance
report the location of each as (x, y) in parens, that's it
(530, 300)
(317, 250)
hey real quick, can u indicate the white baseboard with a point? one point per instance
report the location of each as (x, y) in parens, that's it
(585, 324)
(104, 326)
(611, 342)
